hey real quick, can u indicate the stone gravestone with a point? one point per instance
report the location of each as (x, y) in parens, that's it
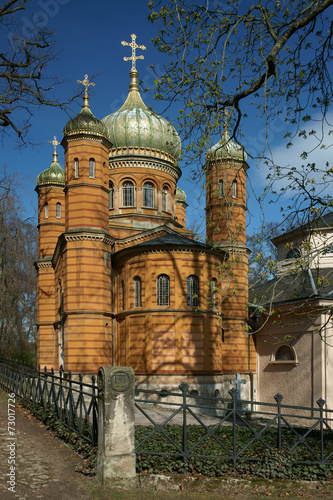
(116, 443)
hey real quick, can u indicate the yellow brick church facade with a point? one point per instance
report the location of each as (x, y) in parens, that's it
(121, 281)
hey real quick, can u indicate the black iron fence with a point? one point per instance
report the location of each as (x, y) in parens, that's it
(202, 427)
(73, 401)
(183, 425)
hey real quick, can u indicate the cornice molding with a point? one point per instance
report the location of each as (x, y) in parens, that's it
(70, 184)
(80, 234)
(47, 262)
(232, 247)
(167, 309)
(79, 136)
(166, 167)
(89, 237)
(129, 252)
(226, 203)
(141, 237)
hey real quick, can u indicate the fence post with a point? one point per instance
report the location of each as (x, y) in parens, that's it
(278, 398)
(116, 459)
(321, 402)
(234, 395)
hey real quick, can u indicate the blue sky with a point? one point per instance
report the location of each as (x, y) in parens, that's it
(89, 36)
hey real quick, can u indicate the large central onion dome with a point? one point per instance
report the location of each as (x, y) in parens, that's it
(137, 130)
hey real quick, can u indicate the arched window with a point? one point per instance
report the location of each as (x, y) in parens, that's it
(234, 189)
(192, 287)
(58, 211)
(76, 168)
(137, 291)
(285, 353)
(163, 290)
(92, 168)
(213, 293)
(122, 294)
(111, 195)
(46, 213)
(148, 195)
(220, 188)
(165, 199)
(294, 253)
(128, 194)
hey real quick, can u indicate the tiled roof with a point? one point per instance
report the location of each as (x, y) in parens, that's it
(303, 285)
(172, 240)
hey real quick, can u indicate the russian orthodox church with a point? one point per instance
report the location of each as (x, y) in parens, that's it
(121, 281)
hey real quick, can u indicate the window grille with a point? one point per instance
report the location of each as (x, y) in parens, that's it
(234, 189)
(137, 291)
(294, 253)
(58, 211)
(128, 194)
(220, 188)
(46, 210)
(92, 168)
(213, 293)
(285, 353)
(192, 283)
(111, 195)
(76, 168)
(148, 195)
(165, 199)
(163, 290)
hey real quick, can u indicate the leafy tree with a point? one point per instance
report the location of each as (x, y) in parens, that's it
(263, 257)
(18, 250)
(272, 54)
(25, 55)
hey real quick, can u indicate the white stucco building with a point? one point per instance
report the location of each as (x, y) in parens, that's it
(292, 325)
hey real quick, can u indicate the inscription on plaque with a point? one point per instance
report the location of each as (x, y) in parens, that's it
(120, 381)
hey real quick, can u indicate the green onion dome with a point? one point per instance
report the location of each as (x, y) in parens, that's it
(136, 129)
(226, 149)
(180, 195)
(53, 175)
(85, 122)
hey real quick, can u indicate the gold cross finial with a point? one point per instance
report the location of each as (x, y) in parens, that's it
(86, 82)
(134, 46)
(55, 143)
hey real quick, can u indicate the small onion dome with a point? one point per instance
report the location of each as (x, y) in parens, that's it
(135, 126)
(226, 148)
(180, 195)
(85, 122)
(53, 175)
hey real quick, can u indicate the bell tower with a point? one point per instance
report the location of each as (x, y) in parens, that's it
(82, 260)
(225, 170)
(51, 224)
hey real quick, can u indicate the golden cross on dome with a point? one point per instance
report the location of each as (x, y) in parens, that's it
(86, 83)
(55, 143)
(134, 46)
